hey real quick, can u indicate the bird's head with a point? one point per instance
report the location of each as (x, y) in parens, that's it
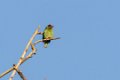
(50, 26)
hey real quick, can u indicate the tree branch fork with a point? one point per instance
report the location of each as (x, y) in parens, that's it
(23, 59)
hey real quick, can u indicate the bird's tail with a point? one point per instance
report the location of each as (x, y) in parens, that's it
(45, 45)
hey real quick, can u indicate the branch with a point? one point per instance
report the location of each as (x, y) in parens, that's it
(45, 40)
(6, 72)
(19, 72)
(24, 53)
(25, 59)
(30, 54)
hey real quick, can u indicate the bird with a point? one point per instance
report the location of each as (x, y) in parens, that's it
(47, 34)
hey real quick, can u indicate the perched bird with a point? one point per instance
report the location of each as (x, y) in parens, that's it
(48, 34)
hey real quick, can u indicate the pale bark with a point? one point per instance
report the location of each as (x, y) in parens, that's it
(23, 57)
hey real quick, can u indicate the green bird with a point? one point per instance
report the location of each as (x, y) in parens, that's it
(48, 34)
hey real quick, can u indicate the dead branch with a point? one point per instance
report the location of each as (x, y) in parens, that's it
(19, 72)
(6, 72)
(24, 53)
(44, 40)
(30, 55)
(25, 59)
(22, 59)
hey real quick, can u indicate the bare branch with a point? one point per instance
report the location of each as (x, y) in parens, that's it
(45, 40)
(25, 59)
(6, 72)
(22, 59)
(24, 53)
(20, 73)
(29, 56)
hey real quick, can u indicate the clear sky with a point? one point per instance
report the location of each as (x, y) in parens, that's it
(89, 48)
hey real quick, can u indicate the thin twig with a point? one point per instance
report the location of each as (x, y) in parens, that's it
(45, 40)
(30, 54)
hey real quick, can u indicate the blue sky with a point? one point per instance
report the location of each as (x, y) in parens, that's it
(89, 47)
